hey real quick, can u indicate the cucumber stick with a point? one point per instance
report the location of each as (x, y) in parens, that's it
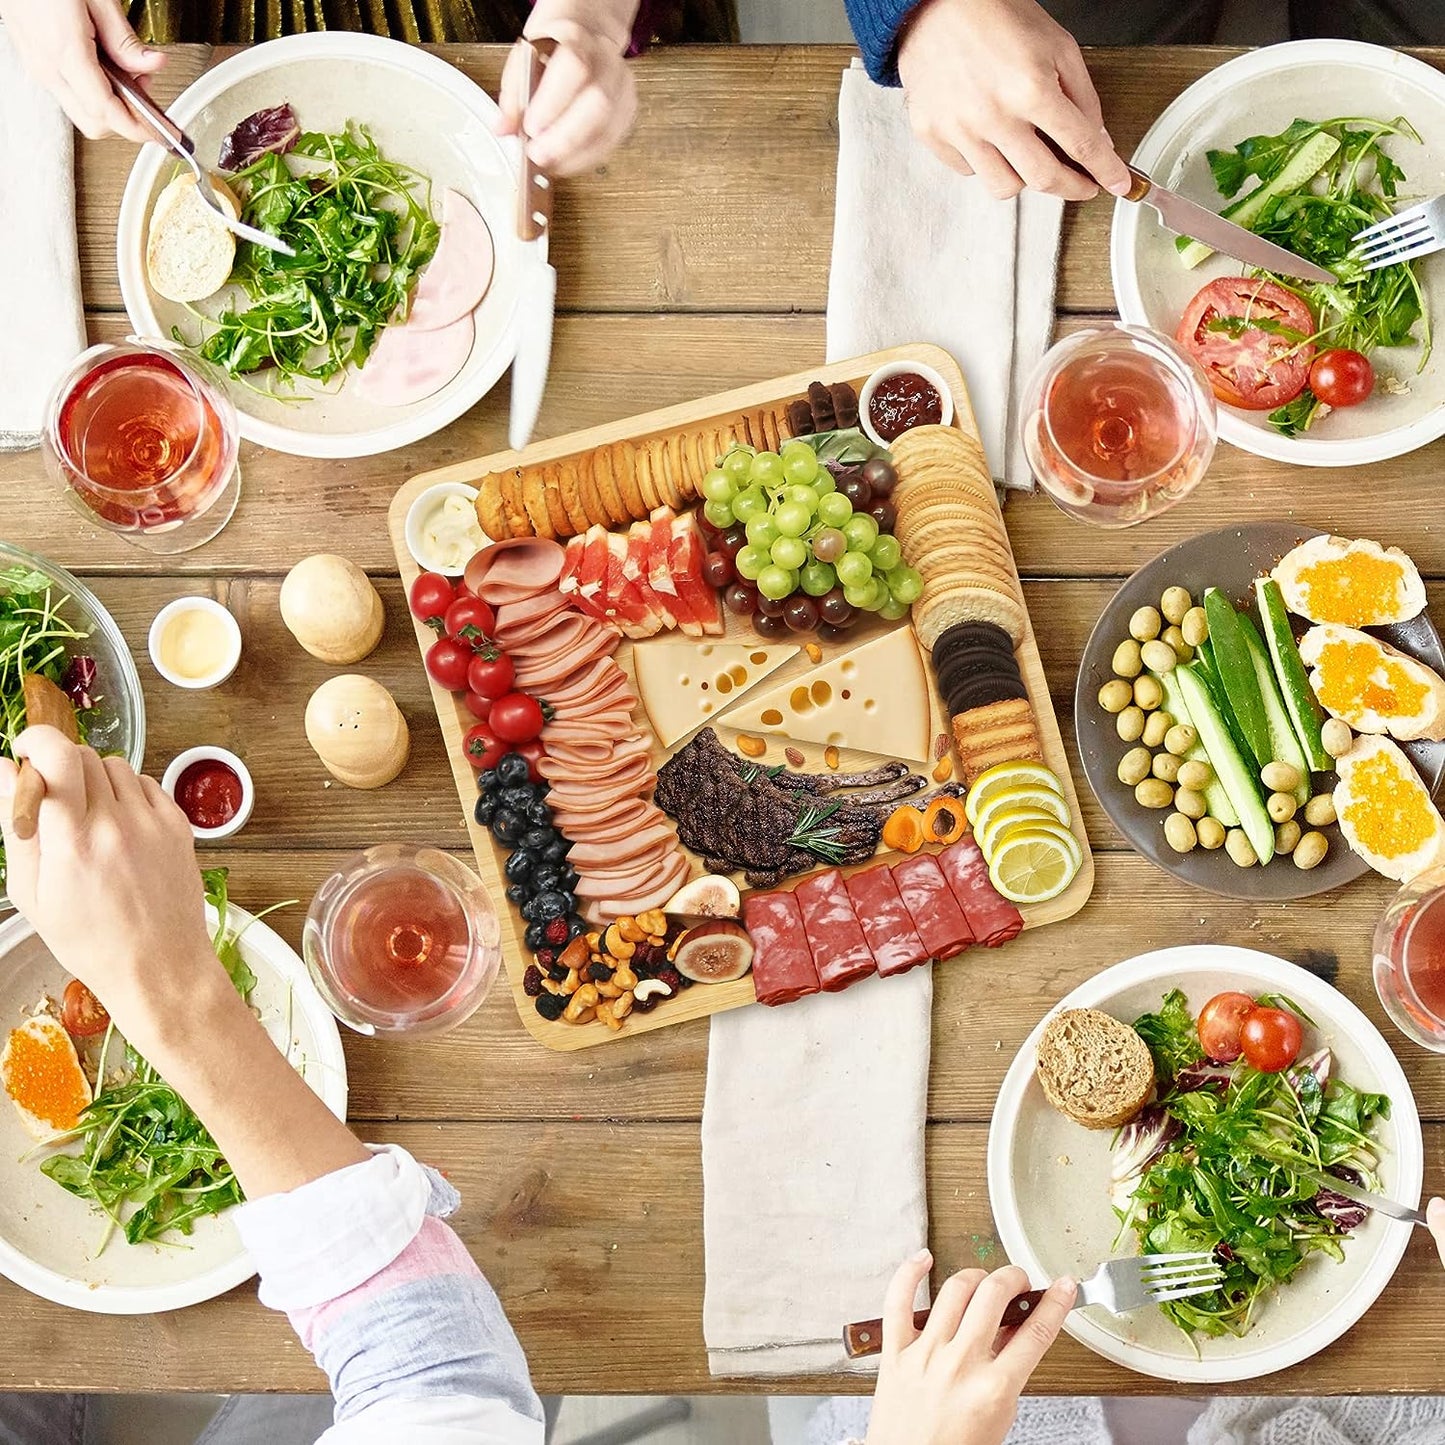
(1216, 799)
(1289, 672)
(1238, 683)
(1230, 767)
(1301, 168)
(1208, 670)
(1284, 745)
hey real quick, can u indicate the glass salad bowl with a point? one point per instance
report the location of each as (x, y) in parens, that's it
(116, 724)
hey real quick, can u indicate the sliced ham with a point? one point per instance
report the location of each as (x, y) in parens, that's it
(407, 366)
(642, 842)
(518, 567)
(459, 273)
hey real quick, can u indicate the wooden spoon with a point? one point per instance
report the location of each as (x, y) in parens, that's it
(45, 705)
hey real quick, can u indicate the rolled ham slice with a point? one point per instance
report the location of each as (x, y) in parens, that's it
(941, 923)
(459, 273)
(407, 366)
(840, 951)
(783, 966)
(886, 925)
(514, 569)
(991, 917)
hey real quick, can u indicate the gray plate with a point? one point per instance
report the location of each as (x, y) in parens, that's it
(1229, 559)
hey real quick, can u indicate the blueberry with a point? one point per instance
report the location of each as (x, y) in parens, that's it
(544, 876)
(517, 893)
(537, 840)
(517, 798)
(513, 768)
(556, 850)
(550, 904)
(539, 813)
(568, 881)
(488, 781)
(531, 911)
(575, 928)
(519, 866)
(507, 828)
(485, 809)
(535, 936)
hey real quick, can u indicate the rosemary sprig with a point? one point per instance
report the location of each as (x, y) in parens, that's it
(753, 771)
(814, 834)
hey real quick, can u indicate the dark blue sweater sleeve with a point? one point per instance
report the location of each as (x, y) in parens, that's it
(877, 25)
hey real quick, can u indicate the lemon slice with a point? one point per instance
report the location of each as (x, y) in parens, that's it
(1004, 820)
(1021, 795)
(1006, 775)
(1033, 865)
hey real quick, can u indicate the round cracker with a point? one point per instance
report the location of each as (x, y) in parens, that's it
(535, 499)
(601, 461)
(569, 488)
(518, 523)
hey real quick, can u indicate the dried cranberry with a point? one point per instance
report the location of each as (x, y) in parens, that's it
(649, 955)
(556, 931)
(546, 957)
(646, 1005)
(671, 977)
(532, 981)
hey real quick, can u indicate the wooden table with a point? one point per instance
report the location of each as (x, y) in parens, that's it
(696, 260)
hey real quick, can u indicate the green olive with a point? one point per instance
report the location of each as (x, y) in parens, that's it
(1156, 728)
(1320, 811)
(1195, 626)
(1179, 833)
(1166, 766)
(1310, 850)
(1280, 778)
(1144, 625)
(1147, 692)
(1134, 766)
(1286, 836)
(1128, 662)
(1196, 774)
(1115, 695)
(1159, 656)
(1175, 604)
(1180, 738)
(1190, 803)
(1337, 737)
(1175, 638)
(1281, 807)
(1239, 848)
(1211, 833)
(1130, 724)
(1154, 793)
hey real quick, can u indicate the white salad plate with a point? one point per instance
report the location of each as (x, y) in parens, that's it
(49, 1238)
(423, 113)
(1048, 1178)
(1260, 94)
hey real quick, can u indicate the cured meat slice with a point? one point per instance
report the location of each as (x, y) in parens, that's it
(991, 917)
(407, 366)
(653, 895)
(891, 936)
(696, 596)
(835, 936)
(585, 857)
(783, 967)
(638, 570)
(512, 616)
(459, 273)
(941, 923)
(517, 566)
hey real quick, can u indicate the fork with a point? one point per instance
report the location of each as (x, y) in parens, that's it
(1415, 231)
(1119, 1285)
(175, 139)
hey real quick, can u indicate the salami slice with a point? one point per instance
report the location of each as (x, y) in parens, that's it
(941, 923)
(886, 925)
(783, 966)
(516, 566)
(991, 917)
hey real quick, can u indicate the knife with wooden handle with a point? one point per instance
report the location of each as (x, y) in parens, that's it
(45, 705)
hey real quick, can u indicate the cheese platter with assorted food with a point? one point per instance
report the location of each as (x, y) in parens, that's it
(743, 702)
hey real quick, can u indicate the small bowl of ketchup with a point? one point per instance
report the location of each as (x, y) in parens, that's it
(899, 396)
(213, 788)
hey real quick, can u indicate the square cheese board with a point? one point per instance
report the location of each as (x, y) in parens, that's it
(806, 758)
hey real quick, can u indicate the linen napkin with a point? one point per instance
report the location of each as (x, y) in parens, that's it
(812, 1167)
(42, 318)
(921, 253)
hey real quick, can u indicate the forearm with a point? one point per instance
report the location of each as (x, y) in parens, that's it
(878, 26)
(610, 17)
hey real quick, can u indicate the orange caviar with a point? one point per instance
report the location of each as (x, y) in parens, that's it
(1357, 677)
(1390, 814)
(42, 1076)
(1356, 589)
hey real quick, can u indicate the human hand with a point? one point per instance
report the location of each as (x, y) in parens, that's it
(57, 39)
(110, 883)
(1435, 1217)
(957, 1381)
(587, 99)
(984, 79)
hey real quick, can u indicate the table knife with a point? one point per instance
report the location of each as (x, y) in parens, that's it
(537, 293)
(1188, 218)
(1378, 1202)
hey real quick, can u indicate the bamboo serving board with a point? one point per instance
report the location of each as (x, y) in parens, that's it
(701, 999)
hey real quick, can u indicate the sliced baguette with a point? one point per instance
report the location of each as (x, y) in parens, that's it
(1359, 583)
(1327, 648)
(49, 1078)
(1385, 811)
(189, 253)
(1094, 1069)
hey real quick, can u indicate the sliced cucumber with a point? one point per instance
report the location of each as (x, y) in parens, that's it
(1289, 671)
(1216, 799)
(1301, 168)
(1283, 743)
(1238, 684)
(1230, 767)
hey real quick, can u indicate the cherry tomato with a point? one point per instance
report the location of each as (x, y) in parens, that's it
(479, 707)
(430, 596)
(1342, 377)
(491, 676)
(1220, 1021)
(1257, 368)
(471, 621)
(517, 717)
(447, 661)
(1271, 1039)
(81, 1012)
(534, 752)
(483, 749)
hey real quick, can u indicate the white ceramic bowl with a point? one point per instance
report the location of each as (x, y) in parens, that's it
(1259, 94)
(48, 1238)
(1048, 1177)
(184, 760)
(893, 368)
(416, 518)
(225, 666)
(422, 112)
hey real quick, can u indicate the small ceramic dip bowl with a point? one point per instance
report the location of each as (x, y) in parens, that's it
(886, 373)
(195, 642)
(442, 531)
(213, 788)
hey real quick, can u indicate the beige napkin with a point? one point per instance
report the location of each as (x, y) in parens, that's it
(812, 1166)
(42, 318)
(921, 253)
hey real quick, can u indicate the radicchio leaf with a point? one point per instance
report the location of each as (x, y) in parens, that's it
(1343, 1213)
(273, 129)
(78, 680)
(1319, 1064)
(1142, 1141)
(1206, 1074)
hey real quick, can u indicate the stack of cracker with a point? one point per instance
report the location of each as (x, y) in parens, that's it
(971, 612)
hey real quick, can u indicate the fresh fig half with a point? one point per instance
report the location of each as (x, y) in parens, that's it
(711, 896)
(715, 952)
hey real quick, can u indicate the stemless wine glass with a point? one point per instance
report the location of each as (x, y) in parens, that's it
(402, 940)
(144, 445)
(1410, 960)
(1118, 424)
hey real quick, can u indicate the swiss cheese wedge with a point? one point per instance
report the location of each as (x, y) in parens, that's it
(1373, 687)
(42, 1074)
(1385, 811)
(682, 684)
(874, 698)
(1359, 583)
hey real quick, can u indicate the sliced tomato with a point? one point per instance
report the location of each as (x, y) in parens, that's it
(1271, 1039)
(1220, 1021)
(1249, 336)
(81, 1012)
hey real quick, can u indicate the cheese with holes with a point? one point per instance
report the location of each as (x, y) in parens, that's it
(873, 699)
(683, 684)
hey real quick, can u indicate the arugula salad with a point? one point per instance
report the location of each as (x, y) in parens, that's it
(1293, 348)
(1227, 1159)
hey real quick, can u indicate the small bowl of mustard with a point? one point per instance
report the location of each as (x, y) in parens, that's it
(442, 530)
(195, 642)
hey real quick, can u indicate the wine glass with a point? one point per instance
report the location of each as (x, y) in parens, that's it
(1409, 962)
